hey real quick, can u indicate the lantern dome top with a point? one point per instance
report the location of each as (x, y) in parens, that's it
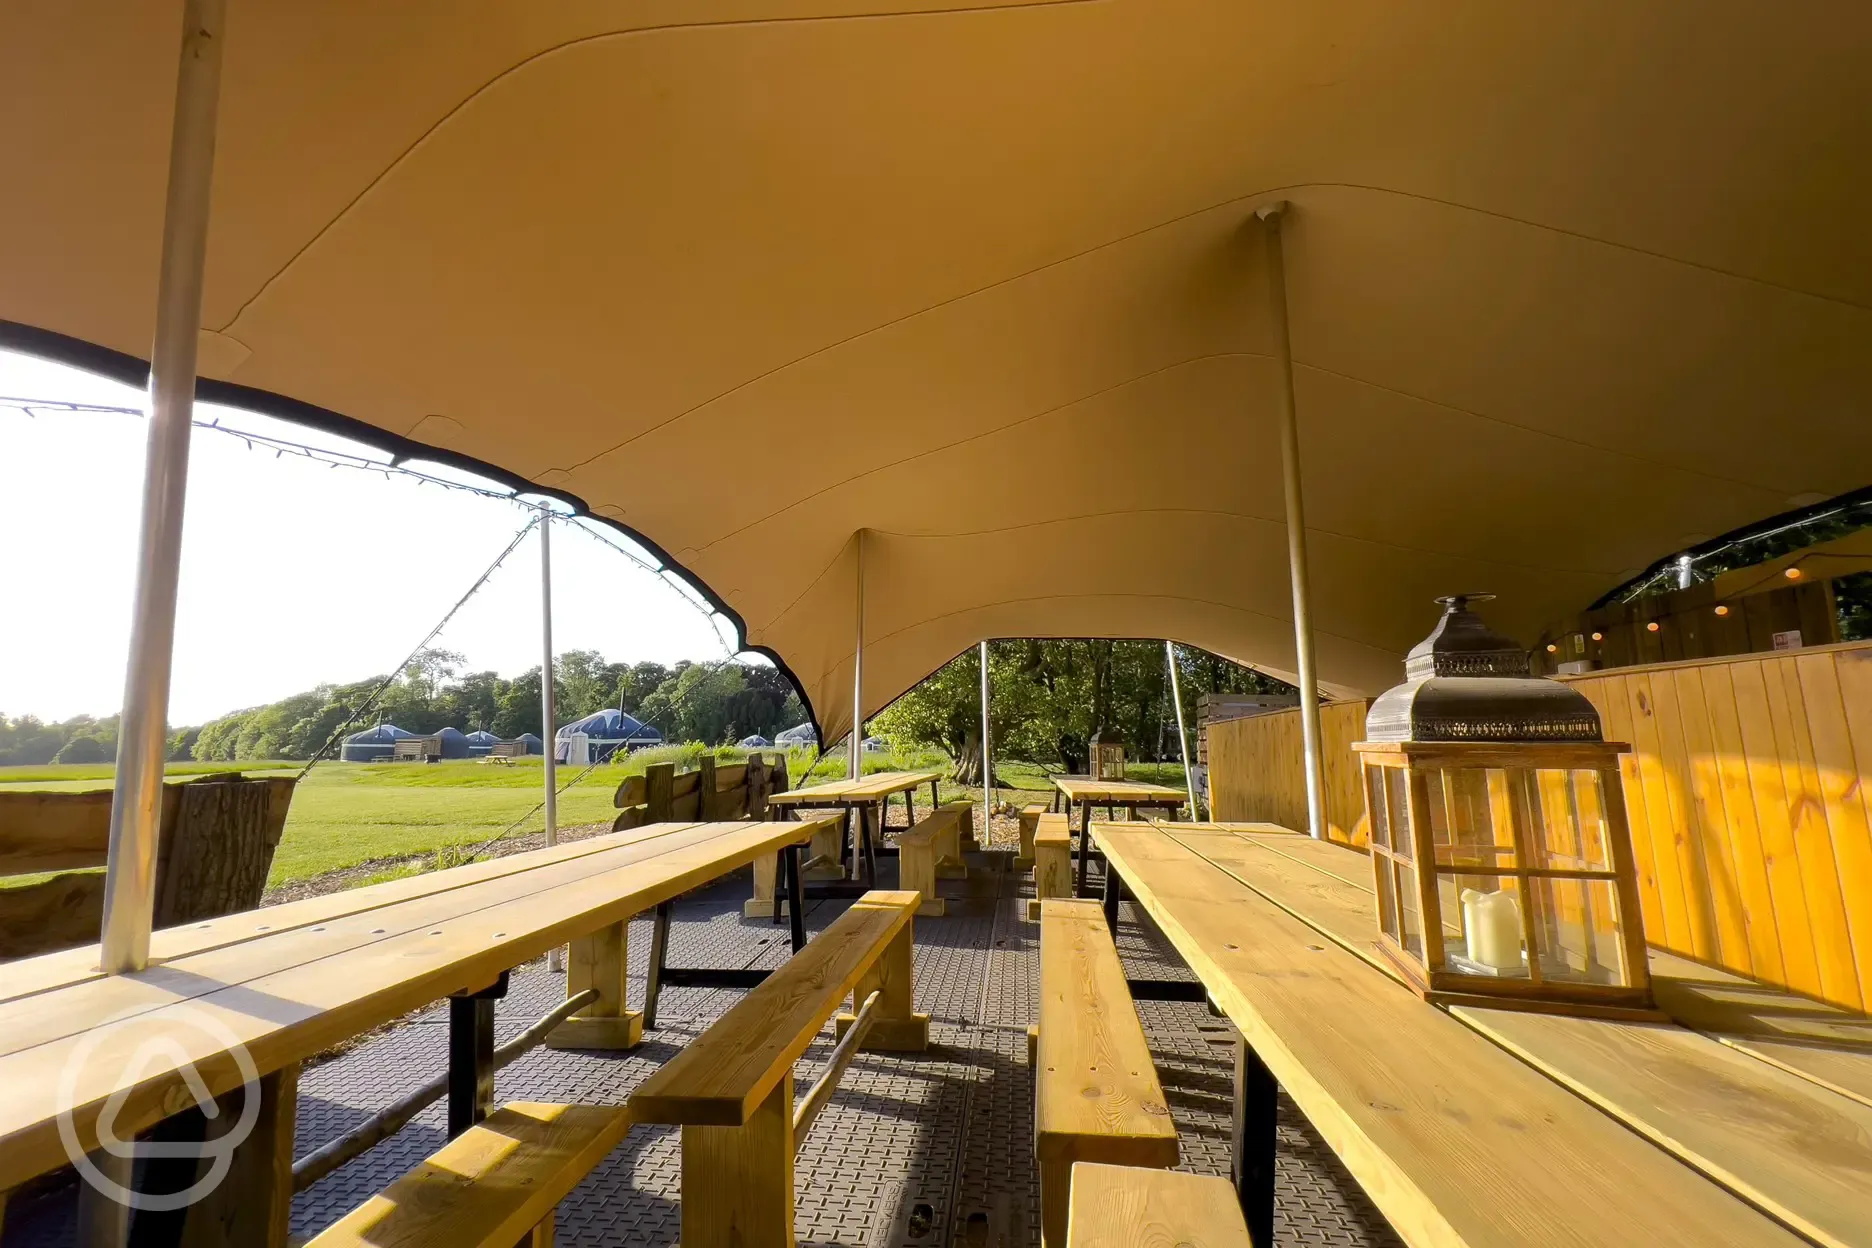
(1466, 682)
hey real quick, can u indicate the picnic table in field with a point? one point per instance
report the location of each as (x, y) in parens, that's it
(1131, 796)
(1490, 1126)
(870, 797)
(251, 995)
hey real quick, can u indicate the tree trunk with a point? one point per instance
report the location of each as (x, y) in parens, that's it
(968, 764)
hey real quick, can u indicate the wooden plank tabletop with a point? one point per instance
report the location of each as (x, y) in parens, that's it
(1456, 1140)
(1086, 789)
(874, 787)
(284, 983)
(1794, 1149)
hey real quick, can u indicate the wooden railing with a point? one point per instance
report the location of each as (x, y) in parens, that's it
(1747, 791)
(714, 791)
(1256, 775)
(218, 838)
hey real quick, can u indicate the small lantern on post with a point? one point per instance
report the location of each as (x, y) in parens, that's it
(1107, 750)
(1501, 857)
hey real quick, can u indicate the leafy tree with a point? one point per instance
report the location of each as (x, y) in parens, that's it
(82, 749)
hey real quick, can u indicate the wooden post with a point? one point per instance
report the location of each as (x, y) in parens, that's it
(660, 791)
(598, 961)
(757, 787)
(1029, 820)
(708, 807)
(898, 1027)
(737, 1182)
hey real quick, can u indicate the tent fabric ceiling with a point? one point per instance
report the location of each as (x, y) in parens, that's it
(1570, 285)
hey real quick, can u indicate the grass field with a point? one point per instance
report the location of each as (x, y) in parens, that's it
(344, 814)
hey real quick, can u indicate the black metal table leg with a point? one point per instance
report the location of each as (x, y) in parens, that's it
(869, 835)
(796, 894)
(910, 807)
(1257, 1099)
(935, 795)
(1114, 889)
(471, 1055)
(659, 954)
(1085, 847)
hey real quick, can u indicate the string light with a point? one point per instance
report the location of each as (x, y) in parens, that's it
(1722, 610)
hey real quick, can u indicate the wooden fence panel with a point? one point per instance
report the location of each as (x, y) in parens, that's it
(1256, 773)
(1747, 789)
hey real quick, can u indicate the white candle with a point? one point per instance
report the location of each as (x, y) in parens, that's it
(1492, 929)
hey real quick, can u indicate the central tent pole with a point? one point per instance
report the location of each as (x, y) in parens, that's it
(1271, 217)
(987, 761)
(136, 804)
(555, 960)
(1176, 695)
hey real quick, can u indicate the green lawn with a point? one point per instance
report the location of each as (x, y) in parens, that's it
(347, 813)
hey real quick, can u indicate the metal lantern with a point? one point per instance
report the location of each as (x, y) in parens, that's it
(1107, 751)
(1500, 853)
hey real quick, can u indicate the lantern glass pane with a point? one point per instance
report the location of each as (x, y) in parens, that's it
(1471, 805)
(1577, 931)
(1589, 809)
(1387, 897)
(1410, 923)
(1483, 935)
(1375, 803)
(1397, 811)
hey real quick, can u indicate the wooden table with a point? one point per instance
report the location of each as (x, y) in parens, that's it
(1482, 1126)
(870, 797)
(280, 984)
(1130, 795)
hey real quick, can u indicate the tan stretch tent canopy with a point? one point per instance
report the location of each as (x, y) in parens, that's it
(1572, 285)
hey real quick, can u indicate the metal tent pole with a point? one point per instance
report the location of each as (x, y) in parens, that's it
(1271, 217)
(1176, 695)
(987, 761)
(130, 872)
(555, 960)
(857, 732)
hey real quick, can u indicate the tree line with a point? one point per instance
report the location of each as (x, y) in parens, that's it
(1047, 698)
(714, 703)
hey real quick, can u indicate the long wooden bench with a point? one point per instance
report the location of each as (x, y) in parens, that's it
(1053, 875)
(1096, 1095)
(731, 1089)
(930, 851)
(1130, 1206)
(493, 1186)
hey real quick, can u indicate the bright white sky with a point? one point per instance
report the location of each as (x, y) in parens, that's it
(292, 572)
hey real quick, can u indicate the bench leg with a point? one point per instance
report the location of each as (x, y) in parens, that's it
(765, 903)
(598, 961)
(471, 1055)
(897, 1028)
(916, 872)
(540, 1236)
(737, 1182)
(1055, 1201)
(950, 864)
(1029, 824)
(659, 954)
(251, 1206)
(1257, 1100)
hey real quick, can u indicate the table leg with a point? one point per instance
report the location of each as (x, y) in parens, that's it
(471, 1055)
(1085, 847)
(796, 895)
(251, 1206)
(870, 834)
(910, 808)
(1257, 1099)
(1114, 890)
(659, 954)
(935, 795)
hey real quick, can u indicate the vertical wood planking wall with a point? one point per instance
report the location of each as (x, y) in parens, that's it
(1256, 776)
(1747, 791)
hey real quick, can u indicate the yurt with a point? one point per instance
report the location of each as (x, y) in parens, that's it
(605, 733)
(453, 742)
(481, 743)
(532, 743)
(373, 745)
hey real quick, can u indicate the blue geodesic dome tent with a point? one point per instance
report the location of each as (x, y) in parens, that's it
(454, 742)
(373, 745)
(482, 743)
(755, 742)
(607, 732)
(532, 743)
